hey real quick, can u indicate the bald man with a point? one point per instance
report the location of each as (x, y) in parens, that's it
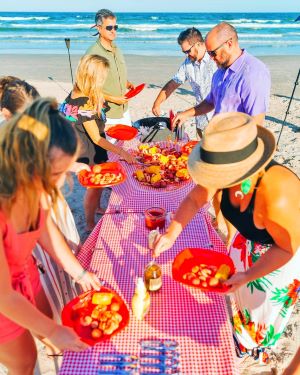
(242, 83)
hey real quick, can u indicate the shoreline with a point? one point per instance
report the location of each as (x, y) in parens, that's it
(39, 67)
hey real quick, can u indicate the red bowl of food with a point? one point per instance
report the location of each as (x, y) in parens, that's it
(187, 148)
(102, 175)
(122, 132)
(96, 315)
(203, 268)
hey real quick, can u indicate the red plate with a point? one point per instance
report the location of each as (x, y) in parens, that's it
(187, 148)
(109, 167)
(188, 258)
(71, 317)
(122, 132)
(133, 92)
(171, 116)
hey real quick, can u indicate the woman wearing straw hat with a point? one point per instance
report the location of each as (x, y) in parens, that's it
(262, 200)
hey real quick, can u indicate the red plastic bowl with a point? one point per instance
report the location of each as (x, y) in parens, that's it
(122, 132)
(133, 92)
(71, 317)
(187, 148)
(109, 167)
(188, 258)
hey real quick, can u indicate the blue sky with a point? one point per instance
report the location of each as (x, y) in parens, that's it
(152, 5)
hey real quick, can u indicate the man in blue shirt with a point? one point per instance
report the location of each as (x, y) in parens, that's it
(197, 69)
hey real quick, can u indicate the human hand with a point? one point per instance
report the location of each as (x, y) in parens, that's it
(88, 280)
(162, 243)
(64, 338)
(78, 167)
(130, 159)
(236, 281)
(156, 109)
(180, 118)
(130, 86)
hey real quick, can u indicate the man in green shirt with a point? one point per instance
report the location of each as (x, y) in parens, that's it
(116, 84)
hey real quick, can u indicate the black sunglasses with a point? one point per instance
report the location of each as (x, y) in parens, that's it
(213, 52)
(109, 28)
(189, 50)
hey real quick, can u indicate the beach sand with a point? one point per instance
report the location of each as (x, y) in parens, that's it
(155, 71)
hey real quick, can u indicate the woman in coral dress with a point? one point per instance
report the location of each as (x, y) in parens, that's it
(36, 149)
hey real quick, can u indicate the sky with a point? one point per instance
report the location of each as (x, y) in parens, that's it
(151, 5)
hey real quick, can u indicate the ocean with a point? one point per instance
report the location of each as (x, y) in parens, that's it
(150, 34)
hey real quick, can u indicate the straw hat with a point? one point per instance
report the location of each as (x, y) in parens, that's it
(233, 148)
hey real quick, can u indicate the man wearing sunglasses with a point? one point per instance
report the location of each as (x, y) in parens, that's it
(197, 69)
(116, 84)
(241, 84)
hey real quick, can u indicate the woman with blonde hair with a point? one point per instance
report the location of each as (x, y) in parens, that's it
(37, 147)
(84, 107)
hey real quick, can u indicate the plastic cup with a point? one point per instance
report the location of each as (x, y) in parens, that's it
(155, 217)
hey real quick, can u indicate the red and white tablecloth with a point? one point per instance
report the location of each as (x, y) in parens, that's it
(117, 251)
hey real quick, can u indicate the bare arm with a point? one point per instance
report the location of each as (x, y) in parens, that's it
(52, 241)
(189, 207)
(93, 131)
(201, 109)
(115, 99)
(165, 92)
(280, 211)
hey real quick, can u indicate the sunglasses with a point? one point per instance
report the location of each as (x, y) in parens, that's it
(188, 50)
(110, 28)
(213, 52)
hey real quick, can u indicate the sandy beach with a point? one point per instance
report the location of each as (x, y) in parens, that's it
(155, 71)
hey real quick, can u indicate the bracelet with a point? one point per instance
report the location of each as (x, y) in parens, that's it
(81, 275)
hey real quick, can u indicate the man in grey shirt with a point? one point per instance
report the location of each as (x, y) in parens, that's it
(116, 83)
(197, 69)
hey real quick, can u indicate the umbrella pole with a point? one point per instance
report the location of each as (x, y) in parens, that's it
(288, 108)
(67, 41)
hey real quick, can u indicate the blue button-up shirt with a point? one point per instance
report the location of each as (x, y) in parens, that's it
(243, 87)
(199, 75)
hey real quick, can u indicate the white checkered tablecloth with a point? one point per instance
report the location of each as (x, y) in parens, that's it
(117, 251)
(197, 320)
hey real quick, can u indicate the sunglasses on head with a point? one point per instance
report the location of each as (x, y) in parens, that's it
(188, 50)
(110, 28)
(213, 52)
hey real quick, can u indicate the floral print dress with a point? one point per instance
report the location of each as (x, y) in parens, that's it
(261, 309)
(78, 111)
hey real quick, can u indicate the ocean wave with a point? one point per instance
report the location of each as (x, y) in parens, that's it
(154, 27)
(249, 35)
(278, 42)
(245, 20)
(52, 26)
(267, 26)
(23, 18)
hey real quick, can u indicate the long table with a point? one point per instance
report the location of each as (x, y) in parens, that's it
(117, 252)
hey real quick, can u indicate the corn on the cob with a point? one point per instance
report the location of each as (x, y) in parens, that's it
(223, 272)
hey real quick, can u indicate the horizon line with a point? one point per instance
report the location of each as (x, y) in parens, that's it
(150, 12)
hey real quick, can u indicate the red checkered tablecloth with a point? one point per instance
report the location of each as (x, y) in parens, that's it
(197, 320)
(117, 251)
(132, 196)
